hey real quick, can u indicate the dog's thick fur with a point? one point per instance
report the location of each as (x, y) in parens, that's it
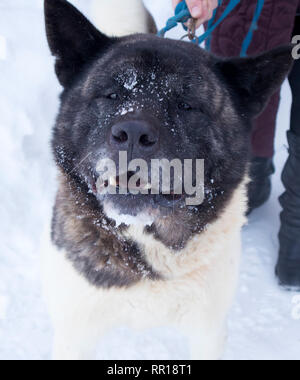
(181, 268)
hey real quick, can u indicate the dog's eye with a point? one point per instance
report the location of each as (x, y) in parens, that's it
(184, 106)
(113, 96)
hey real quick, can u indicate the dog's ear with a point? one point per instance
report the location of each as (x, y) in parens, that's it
(73, 40)
(256, 79)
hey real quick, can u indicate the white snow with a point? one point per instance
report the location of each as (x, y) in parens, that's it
(143, 219)
(3, 306)
(3, 52)
(265, 320)
(124, 111)
(131, 81)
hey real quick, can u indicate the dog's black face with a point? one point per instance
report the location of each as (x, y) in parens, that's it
(155, 99)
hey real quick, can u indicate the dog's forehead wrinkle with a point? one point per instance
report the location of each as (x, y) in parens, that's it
(137, 78)
(129, 75)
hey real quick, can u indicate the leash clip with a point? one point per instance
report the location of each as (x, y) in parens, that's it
(191, 25)
(191, 29)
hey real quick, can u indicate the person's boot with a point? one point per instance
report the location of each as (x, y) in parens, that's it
(288, 266)
(260, 187)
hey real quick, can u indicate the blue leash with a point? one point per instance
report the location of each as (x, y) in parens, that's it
(210, 24)
(182, 15)
(230, 7)
(253, 27)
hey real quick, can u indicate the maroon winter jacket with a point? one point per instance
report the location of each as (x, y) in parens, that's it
(275, 28)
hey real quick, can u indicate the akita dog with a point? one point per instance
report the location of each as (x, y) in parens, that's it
(152, 98)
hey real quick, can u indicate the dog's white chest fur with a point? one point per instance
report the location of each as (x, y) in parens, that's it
(194, 297)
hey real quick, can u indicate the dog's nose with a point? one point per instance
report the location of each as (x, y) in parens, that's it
(138, 136)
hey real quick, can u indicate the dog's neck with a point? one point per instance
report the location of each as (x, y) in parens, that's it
(110, 256)
(201, 248)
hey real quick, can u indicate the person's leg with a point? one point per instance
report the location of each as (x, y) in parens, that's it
(288, 267)
(274, 29)
(260, 187)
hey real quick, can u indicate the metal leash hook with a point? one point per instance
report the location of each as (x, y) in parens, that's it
(191, 27)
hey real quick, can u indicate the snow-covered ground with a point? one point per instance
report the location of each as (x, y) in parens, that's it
(263, 323)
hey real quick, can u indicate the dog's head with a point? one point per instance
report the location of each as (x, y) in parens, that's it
(155, 98)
